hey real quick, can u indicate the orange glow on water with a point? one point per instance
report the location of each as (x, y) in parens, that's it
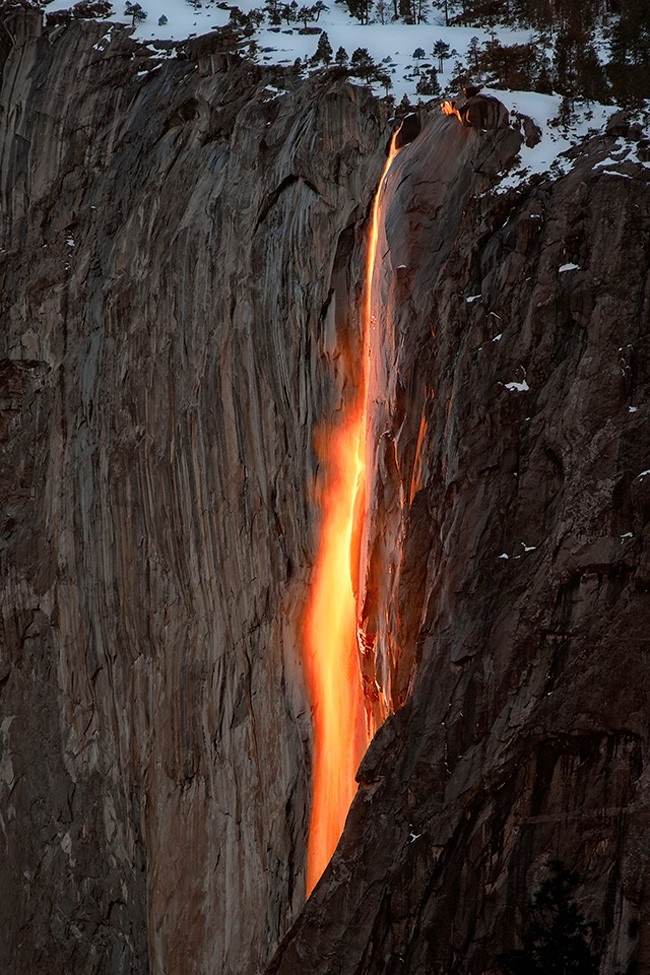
(448, 108)
(330, 621)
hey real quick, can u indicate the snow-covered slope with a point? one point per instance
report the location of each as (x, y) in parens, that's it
(391, 46)
(390, 43)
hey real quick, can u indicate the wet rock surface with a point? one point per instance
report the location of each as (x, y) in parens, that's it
(180, 261)
(507, 573)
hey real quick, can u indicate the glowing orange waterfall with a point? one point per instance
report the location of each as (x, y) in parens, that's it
(449, 108)
(330, 621)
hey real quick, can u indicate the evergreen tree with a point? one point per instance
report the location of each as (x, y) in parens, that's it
(557, 939)
(629, 69)
(473, 54)
(247, 21)
(305, 14)
(428, 83)
(592, 83)
(578, 71)
(288, 12)
(404, 107)
(324, 51)
(361, 62)
(382, 10)
(441, 50)
(341, 58)
(443, 5)
(384, 79)
(135, 12)
(458, 79)
(272, 11)
(359, 9)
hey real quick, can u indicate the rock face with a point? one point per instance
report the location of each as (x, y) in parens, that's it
(181, 252)
(172, 241)
(507, 580)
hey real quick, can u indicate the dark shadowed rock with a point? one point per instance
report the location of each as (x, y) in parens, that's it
(180, 258)
(484, 112)
(532, 132)
(620, 124)
(507, 576)
(177, 252)
(409, 130)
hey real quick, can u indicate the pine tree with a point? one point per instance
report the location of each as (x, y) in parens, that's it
(384, 79)
(441, 51)
(473, 54)
(382, 10)
(444, 6)
(359, 9)
(324, 51)
(557, 939)
(135, 11)
(421, 10)
(341, 58)
(288, 12)
(428, 83)
(361, 62)
(629, 69)
(305, 14)
(404, 108)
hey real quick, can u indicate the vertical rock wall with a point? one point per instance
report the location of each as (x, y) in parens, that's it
(175, 272)
(507, 578)
(179, 258)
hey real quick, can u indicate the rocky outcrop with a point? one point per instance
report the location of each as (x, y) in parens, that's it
(181, 251)
(173, 239)
(507, 579)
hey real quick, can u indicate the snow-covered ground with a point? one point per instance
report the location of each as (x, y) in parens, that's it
(392, 45)
(548, 154)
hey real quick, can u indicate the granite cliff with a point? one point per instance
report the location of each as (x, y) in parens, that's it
(170, 241)
(507, 586)
(181, 246)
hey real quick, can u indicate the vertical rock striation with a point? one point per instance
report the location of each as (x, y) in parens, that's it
(179, 264)
(507, 585)
(178, 252)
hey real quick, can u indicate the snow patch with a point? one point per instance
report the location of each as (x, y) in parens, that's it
(623, 150)
(548, 157)
(391, 44)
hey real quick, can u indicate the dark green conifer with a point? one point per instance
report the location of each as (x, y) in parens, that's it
(557, 939)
